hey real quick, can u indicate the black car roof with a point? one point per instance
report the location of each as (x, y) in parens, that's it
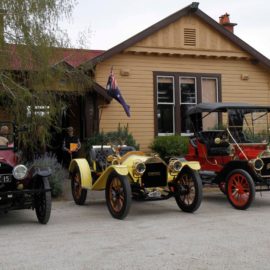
(223, 107)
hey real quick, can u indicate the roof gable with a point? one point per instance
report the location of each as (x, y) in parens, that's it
(188, 35)
(154, 31)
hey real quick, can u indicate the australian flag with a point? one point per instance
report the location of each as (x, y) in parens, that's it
(115, 93)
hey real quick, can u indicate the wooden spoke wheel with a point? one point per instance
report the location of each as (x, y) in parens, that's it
(189, 191)
(118, 195)
(240, 189)
(43, 201)
(79, 194)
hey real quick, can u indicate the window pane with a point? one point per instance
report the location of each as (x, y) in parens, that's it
(165, 90)
(185, 123)
(188, 90)
(165, 118)
(209, 90)
(209, 95)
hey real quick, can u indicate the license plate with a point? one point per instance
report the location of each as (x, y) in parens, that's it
(5, 178)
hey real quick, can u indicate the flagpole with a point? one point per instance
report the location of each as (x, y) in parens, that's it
(101, 106)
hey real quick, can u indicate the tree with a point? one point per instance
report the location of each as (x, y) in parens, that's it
(29, 40)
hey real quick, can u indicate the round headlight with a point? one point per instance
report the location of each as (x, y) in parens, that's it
(257, 164)
(19, 172)
(139, 168)
(175, 165)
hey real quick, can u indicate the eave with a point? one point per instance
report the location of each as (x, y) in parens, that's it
(254, 55)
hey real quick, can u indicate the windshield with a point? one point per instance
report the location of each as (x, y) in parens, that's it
(245, 126)
(250, 127)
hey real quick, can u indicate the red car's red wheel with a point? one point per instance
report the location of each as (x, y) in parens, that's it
(240, 189)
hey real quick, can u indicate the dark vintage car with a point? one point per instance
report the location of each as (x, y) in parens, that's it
(21, 187)
(126, 174)
(231, 142)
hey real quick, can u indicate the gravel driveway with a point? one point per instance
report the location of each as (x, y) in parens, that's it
(155, 235)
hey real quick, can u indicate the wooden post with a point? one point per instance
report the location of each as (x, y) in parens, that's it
(2, 14)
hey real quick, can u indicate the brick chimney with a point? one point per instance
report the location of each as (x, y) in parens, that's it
(225, 21)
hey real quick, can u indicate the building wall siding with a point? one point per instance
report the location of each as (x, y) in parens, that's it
(167, 51)
(138, 87)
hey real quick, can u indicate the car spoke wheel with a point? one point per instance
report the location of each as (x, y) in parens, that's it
(189, 191)
(43, 201)
(240, 189)
(118, 195)
(79, 194)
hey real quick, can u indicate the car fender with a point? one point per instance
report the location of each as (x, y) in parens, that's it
(233, 165)
(194, 165)
(102, 180)
(186, 165)
(85, 172)
(43, 172)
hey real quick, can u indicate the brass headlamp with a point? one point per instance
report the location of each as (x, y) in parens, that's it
(139, 168)
(175, 165)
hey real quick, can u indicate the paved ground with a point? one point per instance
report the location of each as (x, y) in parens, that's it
(155, 235)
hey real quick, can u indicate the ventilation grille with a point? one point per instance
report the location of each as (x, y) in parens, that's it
(189, 37)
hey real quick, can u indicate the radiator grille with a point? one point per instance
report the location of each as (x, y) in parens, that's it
(266, 168)
(155, 175)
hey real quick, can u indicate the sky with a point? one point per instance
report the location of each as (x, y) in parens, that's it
(102, 24)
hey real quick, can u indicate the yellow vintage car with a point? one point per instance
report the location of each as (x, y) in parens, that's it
(127, 175)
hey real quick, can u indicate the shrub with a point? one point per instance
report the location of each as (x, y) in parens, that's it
(58, 172)
(120, 137)
(168, 146)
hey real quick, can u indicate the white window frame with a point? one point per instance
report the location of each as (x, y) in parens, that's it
(167, 103)
(187, 103)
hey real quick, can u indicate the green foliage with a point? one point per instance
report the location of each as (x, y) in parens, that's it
(168, 146)
(34, 22)
(58, 172)
(120, 137)
(29, 69)
(256, 137)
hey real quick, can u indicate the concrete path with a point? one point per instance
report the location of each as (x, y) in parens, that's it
(155, 235)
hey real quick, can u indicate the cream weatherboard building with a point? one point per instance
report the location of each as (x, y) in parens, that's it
(186, 58)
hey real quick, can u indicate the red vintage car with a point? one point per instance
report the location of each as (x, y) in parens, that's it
(231, 142)
(21, 187)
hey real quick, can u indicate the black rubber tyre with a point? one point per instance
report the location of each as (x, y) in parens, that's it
(43, 201)
(240, 189)
(222, 187)
(188, 194)
(79, 194)
(118, 195)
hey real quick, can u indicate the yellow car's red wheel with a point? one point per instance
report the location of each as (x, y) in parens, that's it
(79, 194)
(240, 189)
(118, 195)
(189, 190)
